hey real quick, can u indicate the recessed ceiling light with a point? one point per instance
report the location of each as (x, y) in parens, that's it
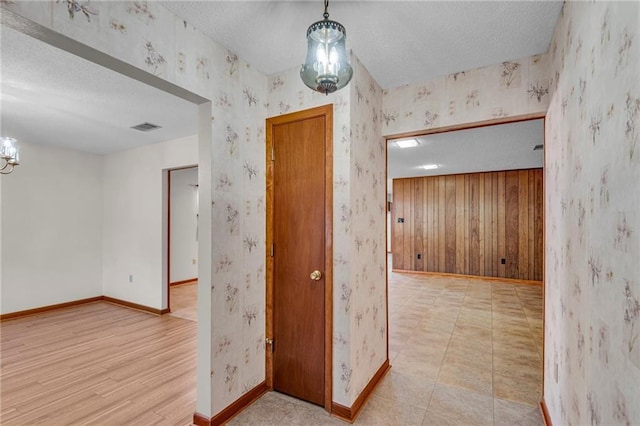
(429, 166)
(407, 143)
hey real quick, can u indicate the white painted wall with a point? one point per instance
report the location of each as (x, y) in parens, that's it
(184, 225)
(51, 228)
(135, 219)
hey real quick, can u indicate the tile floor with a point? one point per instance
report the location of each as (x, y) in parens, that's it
(463, 352)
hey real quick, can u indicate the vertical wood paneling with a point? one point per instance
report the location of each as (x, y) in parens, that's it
(473, 224)
(397, 211)
(539, 227)
(442, 266)
(418, 224)
(429, 222)
(523, 222)
(511, 223)
(461, 211)
(406, 226)
(450, 224)
(502, 251)
(481, 221)
(466, 224)
(494, 225)
(531, 217)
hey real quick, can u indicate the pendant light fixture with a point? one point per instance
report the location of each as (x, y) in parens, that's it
(326, 68)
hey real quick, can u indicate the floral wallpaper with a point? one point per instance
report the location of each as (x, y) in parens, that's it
(359, 307)
(146, 35)
(366, 289)
(588, 81)
(507, 89)
(592, 320)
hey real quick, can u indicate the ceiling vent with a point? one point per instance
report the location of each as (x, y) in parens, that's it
(146, 127)
(538, 147)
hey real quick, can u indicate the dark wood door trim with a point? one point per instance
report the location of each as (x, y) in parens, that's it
(327, 112)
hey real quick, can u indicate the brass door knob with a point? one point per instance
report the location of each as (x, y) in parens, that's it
(316, 275)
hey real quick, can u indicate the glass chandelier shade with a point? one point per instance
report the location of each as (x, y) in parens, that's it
(9, 155)
(326, 68)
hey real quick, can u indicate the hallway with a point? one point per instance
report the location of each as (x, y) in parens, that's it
(463, 351)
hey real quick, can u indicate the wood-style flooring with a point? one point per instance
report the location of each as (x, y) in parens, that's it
(463, 351)
(98, 364)
(183, 300)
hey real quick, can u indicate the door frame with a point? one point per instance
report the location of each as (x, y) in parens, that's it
(325, 111)
(474, 125)
(168, 227)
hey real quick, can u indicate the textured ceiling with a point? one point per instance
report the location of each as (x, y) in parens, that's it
(399, 42)
(50, 96)
(501, 147)
(53, 97)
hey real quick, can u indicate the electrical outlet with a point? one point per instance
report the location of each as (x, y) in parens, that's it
(130, 278)
(419, 256)
(194, 261)
(503, 261)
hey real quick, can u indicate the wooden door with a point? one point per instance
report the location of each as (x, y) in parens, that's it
(299, 223)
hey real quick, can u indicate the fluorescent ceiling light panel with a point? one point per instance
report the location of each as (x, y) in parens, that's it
(429, 166)
(407, 143)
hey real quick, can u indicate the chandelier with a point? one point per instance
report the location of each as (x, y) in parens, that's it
(326, 68)
(9, 157)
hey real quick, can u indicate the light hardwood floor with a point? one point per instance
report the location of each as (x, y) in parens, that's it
(184, 301)
(98, 364)
(463, 352)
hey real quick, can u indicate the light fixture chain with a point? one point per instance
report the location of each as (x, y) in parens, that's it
(326, 7)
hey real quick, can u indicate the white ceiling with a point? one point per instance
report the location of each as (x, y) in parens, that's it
(483, 149)
(50, 96)
(399, 42)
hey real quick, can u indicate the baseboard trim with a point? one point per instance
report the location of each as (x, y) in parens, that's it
(350, 414)
(545, 413)
(20, 314)
(189, 281)
(135, 306)
(232, 410)
(472, 277)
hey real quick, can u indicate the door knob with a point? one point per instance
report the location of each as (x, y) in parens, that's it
(316, 275)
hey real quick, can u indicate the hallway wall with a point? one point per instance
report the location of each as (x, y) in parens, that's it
(134, 251)
(51, 212)
(592, 346)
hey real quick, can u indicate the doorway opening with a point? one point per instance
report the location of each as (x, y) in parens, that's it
(467, 256)
(182, 237)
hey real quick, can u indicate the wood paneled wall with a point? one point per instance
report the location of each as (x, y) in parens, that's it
(467, 223)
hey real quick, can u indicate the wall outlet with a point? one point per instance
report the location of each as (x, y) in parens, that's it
(419, 256)
(503, 261)
(194, 261)
(131, 278)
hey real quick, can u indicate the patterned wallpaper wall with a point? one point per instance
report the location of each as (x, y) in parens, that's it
(366, 288)
(151, 38)
(592, 336)
(503, 90)
(593, 246)
(359, 308)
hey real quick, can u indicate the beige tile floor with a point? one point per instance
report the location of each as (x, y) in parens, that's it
(463, 352)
